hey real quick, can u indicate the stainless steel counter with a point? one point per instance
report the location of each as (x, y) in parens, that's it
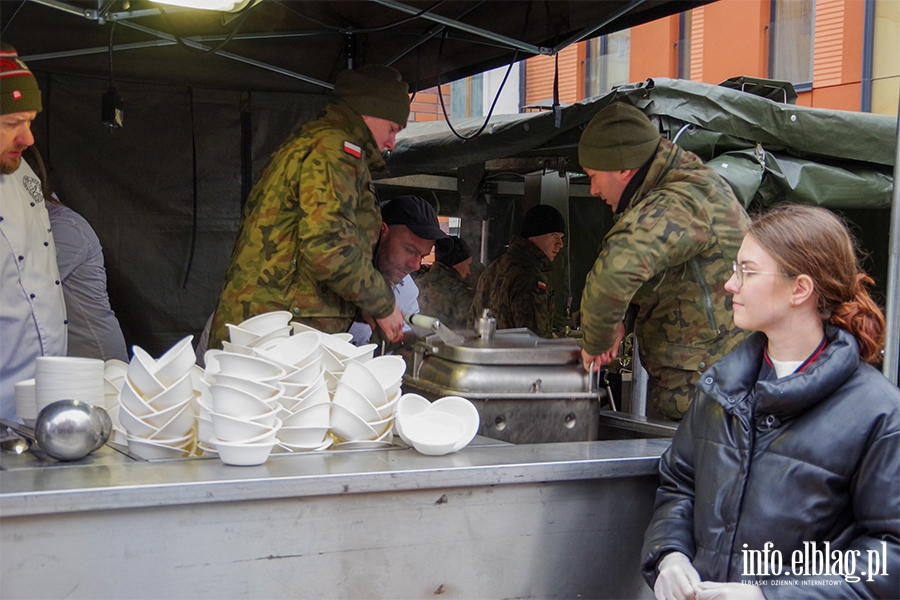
(493, 520)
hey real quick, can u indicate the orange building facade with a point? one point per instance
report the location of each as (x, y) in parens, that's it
(838, 54)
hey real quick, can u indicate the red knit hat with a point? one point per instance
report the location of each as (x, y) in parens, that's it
(19, 91)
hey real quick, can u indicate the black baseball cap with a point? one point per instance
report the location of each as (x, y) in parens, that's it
(416, 214)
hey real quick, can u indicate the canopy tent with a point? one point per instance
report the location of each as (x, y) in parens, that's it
(768, 151)
(164, 192)
(301, 45)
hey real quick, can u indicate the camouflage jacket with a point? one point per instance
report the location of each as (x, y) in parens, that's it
(444, 295)
(309, 230)
(516, 287)
(670, 253)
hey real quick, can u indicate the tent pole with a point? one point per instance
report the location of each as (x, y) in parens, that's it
(892, 337)
(453, 24)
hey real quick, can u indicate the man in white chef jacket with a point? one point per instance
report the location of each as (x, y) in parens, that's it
(32, 308)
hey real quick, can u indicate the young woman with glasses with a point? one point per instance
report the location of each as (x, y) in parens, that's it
(792, 445)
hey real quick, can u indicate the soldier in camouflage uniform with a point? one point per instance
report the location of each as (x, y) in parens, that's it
(516, 286)
(443, 292)
(311, 223)
(678, 229)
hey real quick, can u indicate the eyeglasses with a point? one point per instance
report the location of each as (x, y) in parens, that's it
(740, 271)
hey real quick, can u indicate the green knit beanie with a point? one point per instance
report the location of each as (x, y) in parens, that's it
(619, 137)
(375, 91)
(19, 91)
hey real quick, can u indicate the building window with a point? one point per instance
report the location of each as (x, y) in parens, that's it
(791, 33)
(467, 97)
(607, 62)
(684, 45)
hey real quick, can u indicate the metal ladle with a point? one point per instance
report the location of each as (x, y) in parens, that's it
(15, 445)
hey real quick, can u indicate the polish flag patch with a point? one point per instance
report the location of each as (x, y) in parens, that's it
(352, 149)
(542, 286)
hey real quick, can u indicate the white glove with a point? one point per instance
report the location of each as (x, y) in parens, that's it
(710, 590)
(678, 579)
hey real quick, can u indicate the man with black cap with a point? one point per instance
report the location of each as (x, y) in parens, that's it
(516, 286)
(443, 292)
(678, 229)
(32, 307)
(310, 225)
(409, 229)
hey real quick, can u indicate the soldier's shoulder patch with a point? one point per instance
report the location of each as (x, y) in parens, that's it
(542, 286)
(352, 149)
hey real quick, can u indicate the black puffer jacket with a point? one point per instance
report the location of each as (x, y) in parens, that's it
(811, 457)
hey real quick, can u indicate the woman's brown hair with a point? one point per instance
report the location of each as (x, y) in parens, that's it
(814, 241)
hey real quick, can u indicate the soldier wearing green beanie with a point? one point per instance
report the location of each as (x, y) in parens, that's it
(311, 223)
(678, 229)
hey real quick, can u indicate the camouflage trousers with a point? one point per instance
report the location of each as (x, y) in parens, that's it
(669, 392)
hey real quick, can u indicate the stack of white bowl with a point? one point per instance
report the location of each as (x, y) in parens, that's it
(114, 373)
(155, 403)
(261, 331)
(244, 404)
(362, 411)
(26, 404)
(68, 378)
(435, 428)
(305, 405)
(338, 352)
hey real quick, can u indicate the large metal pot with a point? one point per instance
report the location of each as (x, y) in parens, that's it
(527, 389)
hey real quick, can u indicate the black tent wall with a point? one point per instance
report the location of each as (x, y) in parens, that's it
(135, 186)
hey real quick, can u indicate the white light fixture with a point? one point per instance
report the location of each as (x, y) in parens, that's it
(220, 5)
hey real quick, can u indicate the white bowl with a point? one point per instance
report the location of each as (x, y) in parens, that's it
(363, 381)
(242, 337)
(272, 338)
(361, 354)
(161, 418)
(204, 429)
(248, 367)
(243, 455)
(267, 392)
(231, 429)
(301, 328)
(407, 406)
(317, 395)
(332, 362)
(388, 370)
(310, 373)
(133, 401)
(153, 451)
(233, 402)
(178, 426)
(302, 436)
(465, 411)
(329, 441)
(343, 336)
(237, 348)
(339, 348)
(141, 372)
(318, 415)
(355, 402)
(135, 425)
(115, 369)
(179, 391)
(298, 349)
(383, 426)
(177, 361)
(434, 433)
(348, 426)
(267, 322)
(389, 409)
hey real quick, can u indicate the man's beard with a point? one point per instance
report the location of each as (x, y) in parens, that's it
(10, 166)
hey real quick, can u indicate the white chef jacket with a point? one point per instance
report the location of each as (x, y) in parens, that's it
(32, 308)
(406, 295)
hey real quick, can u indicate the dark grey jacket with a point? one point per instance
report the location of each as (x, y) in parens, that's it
(811, 457)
